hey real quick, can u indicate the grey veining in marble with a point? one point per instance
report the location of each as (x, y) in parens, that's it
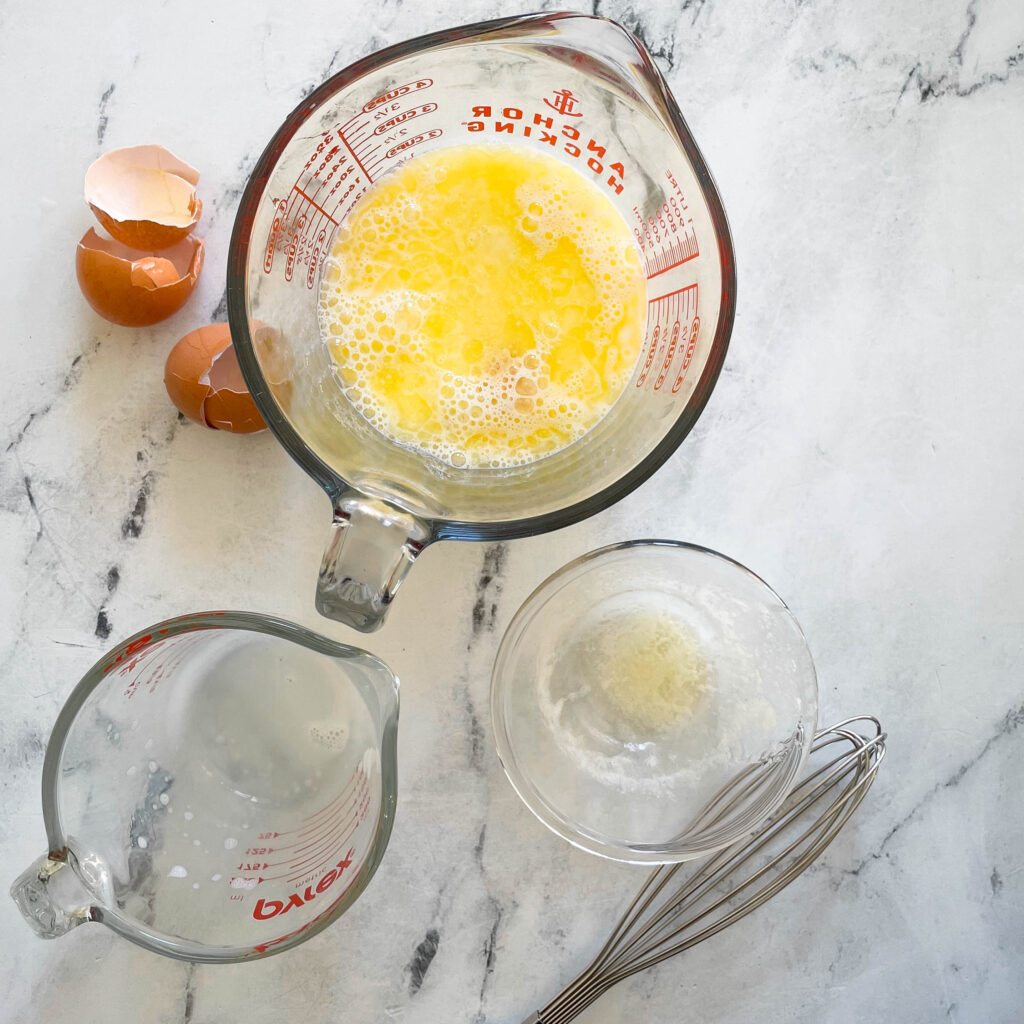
(862, 452)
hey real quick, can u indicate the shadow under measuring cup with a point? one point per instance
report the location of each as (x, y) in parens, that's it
(218, 788)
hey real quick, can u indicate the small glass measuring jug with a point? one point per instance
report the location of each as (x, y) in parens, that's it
(218, 788)
(577, 88)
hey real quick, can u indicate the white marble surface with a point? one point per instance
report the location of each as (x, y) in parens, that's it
(862, 452)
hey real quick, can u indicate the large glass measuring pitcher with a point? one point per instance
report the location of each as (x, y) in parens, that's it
(217, 788)
(577, 88)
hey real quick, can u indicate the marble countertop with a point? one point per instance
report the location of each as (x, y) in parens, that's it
(862, 452)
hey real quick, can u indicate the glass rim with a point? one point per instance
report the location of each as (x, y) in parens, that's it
(785, 771)
(244, 621)
(237, 287)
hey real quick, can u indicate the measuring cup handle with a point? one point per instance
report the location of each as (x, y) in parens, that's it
(371, 548)
(51, 898)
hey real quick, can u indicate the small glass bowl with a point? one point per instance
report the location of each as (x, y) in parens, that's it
(635, 683)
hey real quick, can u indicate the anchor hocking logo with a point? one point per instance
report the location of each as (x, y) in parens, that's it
(564, 102)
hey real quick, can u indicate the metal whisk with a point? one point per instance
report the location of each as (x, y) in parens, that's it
(675, 910)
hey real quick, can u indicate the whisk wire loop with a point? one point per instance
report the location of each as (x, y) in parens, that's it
(664, 919)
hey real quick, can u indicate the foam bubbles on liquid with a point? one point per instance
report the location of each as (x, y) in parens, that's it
(490, 321)
(332, 735)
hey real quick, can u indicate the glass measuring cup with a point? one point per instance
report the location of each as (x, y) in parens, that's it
(577, 88)
(218, 788)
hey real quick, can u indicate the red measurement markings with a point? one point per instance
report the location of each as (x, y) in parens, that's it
(398, 90)
(314, 864)
(305, 219)
(302, 835)
(302, 219)
(651, 349)
(325, 838)
(311, 865)
(313, 834)
(297, 868)
(391, 113)
(673, 343)
(683, 299)
(173, 650)
(321, 175)
(323, 164)
(434, 133)
(314, 260)
(406, 115)
(273, 236)
(130, 650)
(691, 347)
(329, 829)
(359, 163)
(673, 326)
(315, 860)
(342, 168)
(326, 833)
(666, 235)
(357, 181)
(309, 199)
(675, 254)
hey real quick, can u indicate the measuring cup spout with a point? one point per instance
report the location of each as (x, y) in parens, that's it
(371, 549)
(51, 898)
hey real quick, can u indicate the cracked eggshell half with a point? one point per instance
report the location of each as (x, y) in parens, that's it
(205, 382)
(132, 288)
(144, 196)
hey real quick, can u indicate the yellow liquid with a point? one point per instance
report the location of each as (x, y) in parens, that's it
(483, 304)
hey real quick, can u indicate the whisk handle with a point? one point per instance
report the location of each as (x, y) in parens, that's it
(534, 1018)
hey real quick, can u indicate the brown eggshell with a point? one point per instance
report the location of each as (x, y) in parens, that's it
(144, 234)
(133, 288)
(154, 272)
(205, 382)
(144, 196)
(188, 362)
